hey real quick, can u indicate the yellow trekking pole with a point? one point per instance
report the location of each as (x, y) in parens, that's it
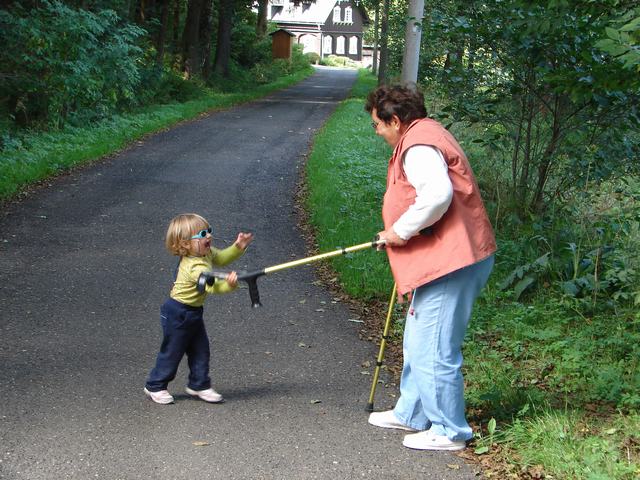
(208, 278)
(383, 344)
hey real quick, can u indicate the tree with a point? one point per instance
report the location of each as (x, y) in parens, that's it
(206, 37)
(384, 44)
(574, 105)
(261, 24)
(190, 36)
(162, 32)
(223, 45)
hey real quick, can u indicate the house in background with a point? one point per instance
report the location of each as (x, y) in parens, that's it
(326, 27)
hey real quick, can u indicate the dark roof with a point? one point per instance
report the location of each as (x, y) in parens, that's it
(283, 30)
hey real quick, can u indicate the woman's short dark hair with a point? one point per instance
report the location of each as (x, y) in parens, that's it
(405, 101)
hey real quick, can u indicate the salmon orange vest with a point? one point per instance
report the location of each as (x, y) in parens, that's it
(462, 237)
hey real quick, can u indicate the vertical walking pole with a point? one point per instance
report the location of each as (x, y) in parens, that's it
(383, 344)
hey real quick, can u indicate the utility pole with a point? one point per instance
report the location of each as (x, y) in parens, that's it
(412, 36)
(376, 37)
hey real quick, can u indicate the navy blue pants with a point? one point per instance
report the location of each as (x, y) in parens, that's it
(183, 333)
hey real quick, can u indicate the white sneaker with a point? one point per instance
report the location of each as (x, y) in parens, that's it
(388, 420)
(163, 397)
(427, 440)
(209, 395)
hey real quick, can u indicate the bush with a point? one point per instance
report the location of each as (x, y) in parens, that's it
(67, 63)
(313, 58)
(585, 248)
(336, 61)
(158, 86)
(247, 49)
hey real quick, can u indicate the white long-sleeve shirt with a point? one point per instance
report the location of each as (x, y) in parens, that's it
(427, 171)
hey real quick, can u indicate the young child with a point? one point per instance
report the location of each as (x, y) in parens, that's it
(189, 237)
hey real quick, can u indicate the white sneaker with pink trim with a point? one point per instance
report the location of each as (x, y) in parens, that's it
(209, 395)
(163, 397)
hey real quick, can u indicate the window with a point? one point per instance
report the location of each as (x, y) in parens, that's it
(336, 14)
(340, 45)
(348, 15)
(326, 44)
(353, 45)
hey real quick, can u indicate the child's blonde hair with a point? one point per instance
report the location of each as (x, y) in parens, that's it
(180, 231)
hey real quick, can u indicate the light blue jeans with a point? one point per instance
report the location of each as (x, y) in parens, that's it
(431, 386)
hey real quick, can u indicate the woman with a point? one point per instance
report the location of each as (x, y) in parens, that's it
(440, 246)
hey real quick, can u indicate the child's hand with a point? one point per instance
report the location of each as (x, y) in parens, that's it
(243, 240)
(232, 279)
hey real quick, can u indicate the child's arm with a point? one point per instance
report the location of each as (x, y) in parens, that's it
(227, 285)
(232, 279)
(243, 240)
(235, 251)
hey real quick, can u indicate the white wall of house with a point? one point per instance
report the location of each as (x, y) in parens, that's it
(310, 42)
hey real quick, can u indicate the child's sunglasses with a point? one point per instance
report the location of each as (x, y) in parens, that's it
(203, 233)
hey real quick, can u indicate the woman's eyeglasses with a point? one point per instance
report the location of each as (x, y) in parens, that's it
(203, 233)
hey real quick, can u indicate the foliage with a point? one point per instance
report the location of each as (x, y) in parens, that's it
(66, 63)
(591, 259)
(534, 76)
(570, 446)
(337, 61)
(623, 40)
(313, 58)
(247, 49)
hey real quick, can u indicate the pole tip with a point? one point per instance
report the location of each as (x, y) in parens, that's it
(369, 407)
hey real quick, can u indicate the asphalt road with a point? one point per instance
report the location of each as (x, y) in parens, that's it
(83, 272)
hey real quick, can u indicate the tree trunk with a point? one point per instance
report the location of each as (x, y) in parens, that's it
(223, 46)
(175, 40)
(546, 161)
(162, 33)
(384, 41)
(261, 24)
(516, 148)
(412, 36)
(206, 29)
(140, 14)
(190, 36)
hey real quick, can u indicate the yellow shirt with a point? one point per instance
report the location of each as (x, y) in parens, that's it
(184, 288)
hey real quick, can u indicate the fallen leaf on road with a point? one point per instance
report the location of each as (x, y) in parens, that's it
(200, 443)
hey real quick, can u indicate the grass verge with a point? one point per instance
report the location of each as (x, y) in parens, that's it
(550, 394)
(40, 155)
